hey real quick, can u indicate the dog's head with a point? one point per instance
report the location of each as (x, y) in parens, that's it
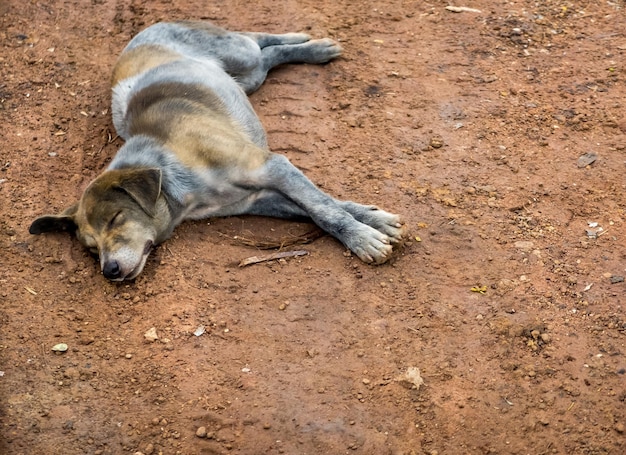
(115, 218)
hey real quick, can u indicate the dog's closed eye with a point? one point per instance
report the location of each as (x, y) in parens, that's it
(116, 220)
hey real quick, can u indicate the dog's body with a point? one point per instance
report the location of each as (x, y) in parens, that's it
(196, 149)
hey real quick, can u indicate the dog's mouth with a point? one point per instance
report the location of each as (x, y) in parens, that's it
(114, 273)
(144, 257)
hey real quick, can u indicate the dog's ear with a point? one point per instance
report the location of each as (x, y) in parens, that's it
(52, 223)
(144, 186)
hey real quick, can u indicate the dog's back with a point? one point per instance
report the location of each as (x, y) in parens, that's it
(172, 76)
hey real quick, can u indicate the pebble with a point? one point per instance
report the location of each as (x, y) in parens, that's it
(151, 334)
(524, 245)
(587, 159)
(436, 142)
(201, 432)
(61, 347)
(366, 381)
(619, 427)
(267, 426)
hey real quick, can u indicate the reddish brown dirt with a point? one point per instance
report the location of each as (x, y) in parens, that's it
(468, 124)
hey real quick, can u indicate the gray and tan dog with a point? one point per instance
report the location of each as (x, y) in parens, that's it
(196, 149)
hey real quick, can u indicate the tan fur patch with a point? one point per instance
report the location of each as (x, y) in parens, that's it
(141, 59)
(192, 122)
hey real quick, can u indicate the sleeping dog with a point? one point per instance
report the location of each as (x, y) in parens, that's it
(196, 149)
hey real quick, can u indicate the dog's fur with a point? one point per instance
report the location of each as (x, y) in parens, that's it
(196, 149)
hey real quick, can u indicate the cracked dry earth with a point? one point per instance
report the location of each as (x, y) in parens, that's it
(500, 137)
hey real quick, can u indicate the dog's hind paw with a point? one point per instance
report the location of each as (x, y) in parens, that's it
(320, 50)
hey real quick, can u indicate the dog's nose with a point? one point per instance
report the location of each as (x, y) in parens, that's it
(111, 270)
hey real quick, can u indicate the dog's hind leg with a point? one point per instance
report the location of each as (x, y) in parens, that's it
(288, 48)
(270, 39)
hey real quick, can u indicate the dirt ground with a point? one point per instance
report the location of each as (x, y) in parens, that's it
(480, 128)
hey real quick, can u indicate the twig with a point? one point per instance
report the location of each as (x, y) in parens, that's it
(284, 242)
(271, 257)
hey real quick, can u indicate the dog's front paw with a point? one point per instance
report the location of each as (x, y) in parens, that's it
(387, 223)
(371, 245)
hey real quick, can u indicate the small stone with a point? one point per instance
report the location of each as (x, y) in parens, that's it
(61, 347)
(524, 245)
(151, 335)
(411, 378)
(366, 381)
(587, 159)
(282, 306)
(266, 426)
(129, 356)
(546, 338)
(619, 427)
(617, 279)
(201, 432)
(436, 142)
(149, 450)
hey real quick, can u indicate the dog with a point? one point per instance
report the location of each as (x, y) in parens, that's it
(194, 148)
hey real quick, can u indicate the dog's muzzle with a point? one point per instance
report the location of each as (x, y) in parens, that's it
(114, 270)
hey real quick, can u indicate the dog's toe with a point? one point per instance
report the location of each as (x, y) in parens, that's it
(389, 224)
(371, 245)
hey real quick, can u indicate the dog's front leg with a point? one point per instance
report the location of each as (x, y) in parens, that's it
(370, 244)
